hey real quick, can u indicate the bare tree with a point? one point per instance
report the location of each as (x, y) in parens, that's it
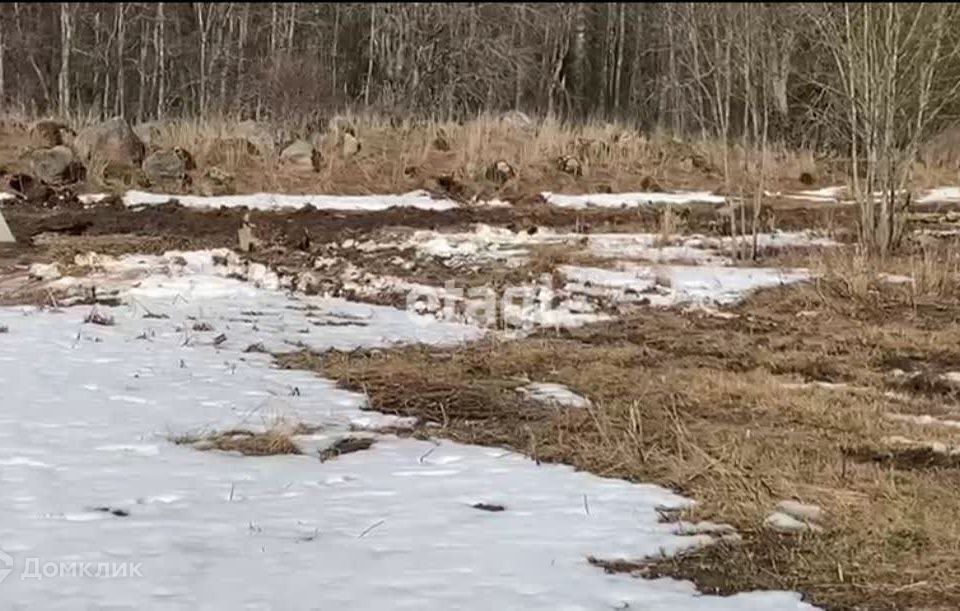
(891, 61)
(683, 67)
(66, 44)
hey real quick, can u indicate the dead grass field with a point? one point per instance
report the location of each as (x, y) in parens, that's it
(794, 398)
(450, 158)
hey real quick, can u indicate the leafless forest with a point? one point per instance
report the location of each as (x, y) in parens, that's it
(689, 68)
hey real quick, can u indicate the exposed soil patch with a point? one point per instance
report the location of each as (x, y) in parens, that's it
(489, 507)
(910, 458)
(174, 226)
(346, 445)
(114, 511)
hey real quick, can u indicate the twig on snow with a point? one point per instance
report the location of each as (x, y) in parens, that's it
(370, 528)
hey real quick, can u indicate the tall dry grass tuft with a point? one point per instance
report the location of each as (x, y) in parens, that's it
(930, 271)
(412, 153)
(935, 269)
(407, 154)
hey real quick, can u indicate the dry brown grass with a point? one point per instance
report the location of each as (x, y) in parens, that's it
(274, 441)
(400, 157)
(933, 267)
(705, 405)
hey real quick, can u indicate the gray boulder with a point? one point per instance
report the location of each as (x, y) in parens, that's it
(257, 134)
(111, 141)
(152, 132)
(51, 133)
(349, 146)
(57, 165)
(168, 167)
(301, 154)
(516, 119)
(215, 181)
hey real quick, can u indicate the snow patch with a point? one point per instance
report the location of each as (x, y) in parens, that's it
(281, 201)
(800, 511)
(554, 394)
(630, 200)
(487, 244)
(944, 195)
(669, 285)
(924, 420)
(92, 198)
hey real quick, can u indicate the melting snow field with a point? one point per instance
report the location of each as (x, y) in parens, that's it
(87, 416)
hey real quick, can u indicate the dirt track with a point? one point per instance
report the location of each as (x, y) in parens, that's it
(174, 226)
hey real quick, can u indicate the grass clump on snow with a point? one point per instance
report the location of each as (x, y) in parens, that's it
(276, 440)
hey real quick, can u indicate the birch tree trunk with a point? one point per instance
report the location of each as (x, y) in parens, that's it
(161, 62)
(3, 80)
(119, 106)
(369, 83)
(142, 72)
(66, 44)
(202, 22)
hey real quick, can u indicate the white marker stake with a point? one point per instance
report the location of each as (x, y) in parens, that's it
(5, 234)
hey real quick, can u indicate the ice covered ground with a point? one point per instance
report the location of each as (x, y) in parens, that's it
(89, 475)
(826, 195)
(416, 199)
(280, 201)
(423, 200)
(946, 195)
(486, 243)
(630, 200)
(671, 285)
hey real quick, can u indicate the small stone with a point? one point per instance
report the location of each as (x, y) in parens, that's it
(112, 140)
(51, 133)
(57, 165)
(350, 146)
(301, 154)
(570, 165)
(245, 236)
(168, 169)
(500, 172)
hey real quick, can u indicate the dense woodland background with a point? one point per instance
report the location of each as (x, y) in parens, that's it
(687, 68)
